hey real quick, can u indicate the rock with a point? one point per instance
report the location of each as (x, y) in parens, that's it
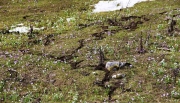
(118, 76)
(116, 65)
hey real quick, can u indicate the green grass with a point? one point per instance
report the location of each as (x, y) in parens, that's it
(30, 70)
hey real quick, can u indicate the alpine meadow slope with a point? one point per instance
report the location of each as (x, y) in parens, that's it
(64, 61)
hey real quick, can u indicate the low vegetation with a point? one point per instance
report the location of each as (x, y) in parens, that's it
(58, 64)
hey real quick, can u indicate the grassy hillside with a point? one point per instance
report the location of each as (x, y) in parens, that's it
(57, 64)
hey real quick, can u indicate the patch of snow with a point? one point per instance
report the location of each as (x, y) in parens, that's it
(20, 28)
(104, 6)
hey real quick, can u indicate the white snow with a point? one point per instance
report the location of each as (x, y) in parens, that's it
(111, 5)
(22, 29)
